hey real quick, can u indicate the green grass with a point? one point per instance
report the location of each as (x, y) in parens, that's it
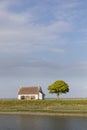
(50, 106)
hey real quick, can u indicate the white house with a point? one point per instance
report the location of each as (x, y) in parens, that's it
(30, 93)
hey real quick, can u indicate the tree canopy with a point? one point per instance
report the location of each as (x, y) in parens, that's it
(58, 87)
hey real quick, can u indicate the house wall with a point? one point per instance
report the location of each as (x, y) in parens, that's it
(28, 96)
(40, 96)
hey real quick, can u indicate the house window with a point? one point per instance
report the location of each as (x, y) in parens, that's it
(22, 97)
(28, 97)
(32, 97)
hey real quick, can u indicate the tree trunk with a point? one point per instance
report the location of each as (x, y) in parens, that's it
(57, 95)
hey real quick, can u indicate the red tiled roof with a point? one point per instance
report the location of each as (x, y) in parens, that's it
(28, 90)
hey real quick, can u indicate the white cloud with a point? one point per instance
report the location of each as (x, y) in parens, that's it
(70, 4)
(59, 26)
(18, 30)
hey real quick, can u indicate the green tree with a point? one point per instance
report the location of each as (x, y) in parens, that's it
(58, 87)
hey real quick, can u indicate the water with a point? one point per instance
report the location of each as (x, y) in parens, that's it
(29, 122)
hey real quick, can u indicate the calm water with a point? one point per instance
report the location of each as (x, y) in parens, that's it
(28, 122)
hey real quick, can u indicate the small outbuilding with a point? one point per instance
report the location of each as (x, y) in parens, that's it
(30, 93)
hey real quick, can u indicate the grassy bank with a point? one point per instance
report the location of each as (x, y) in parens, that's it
(69, 106)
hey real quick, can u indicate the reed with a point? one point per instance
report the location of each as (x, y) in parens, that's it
(50, 106)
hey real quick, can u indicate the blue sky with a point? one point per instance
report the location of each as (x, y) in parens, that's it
(41, 42)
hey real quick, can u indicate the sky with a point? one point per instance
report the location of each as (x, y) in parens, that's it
(42, 41)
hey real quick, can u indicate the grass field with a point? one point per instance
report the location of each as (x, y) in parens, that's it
(46, 106)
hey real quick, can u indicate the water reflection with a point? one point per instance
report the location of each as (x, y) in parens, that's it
(26, 122)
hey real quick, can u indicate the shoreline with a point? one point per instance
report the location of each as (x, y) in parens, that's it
(45, 114)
